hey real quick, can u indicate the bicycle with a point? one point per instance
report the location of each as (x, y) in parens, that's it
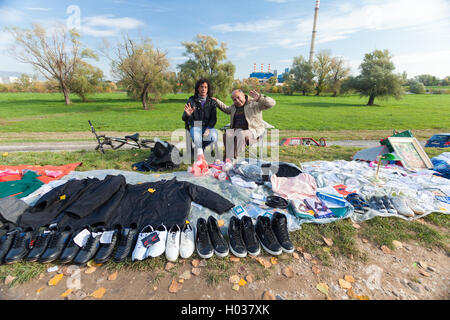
(117, 142)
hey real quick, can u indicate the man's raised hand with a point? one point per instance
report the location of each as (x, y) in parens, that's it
(255, 95)
(188, 109)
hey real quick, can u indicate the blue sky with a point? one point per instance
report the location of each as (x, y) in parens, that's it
(417, 33)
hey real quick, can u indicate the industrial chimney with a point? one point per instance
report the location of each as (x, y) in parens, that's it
(311, 52)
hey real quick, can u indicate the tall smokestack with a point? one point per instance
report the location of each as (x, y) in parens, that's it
(316, 11)
(254, 67)
(262, 67)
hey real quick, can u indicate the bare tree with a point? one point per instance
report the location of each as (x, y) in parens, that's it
(338, 71)
(54, 55)
(141, 68)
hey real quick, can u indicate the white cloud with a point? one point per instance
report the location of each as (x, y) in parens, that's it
(436, 63)
(179, 58)
(257, 26)
(39, 9)
(10, 16)
(107, 25)
(341, 21)
(277, 1)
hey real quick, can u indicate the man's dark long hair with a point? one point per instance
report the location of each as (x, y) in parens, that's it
(201, 81)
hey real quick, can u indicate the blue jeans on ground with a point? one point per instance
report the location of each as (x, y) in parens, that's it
(197, 136)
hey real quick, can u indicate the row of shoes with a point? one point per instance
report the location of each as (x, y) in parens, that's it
(244, 237)
(174, 242)
(405, 206)
(50, 244)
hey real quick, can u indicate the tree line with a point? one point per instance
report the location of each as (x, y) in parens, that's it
(143, 70)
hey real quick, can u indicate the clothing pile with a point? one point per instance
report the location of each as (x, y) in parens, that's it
(97, 206)
(395, 192)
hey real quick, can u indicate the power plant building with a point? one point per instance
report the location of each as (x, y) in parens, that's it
(264, 76)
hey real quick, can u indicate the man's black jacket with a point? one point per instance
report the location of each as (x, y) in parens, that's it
(207, 114)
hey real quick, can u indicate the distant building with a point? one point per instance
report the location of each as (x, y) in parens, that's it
(261, 76)
(13, 79)
(264, 76)
(281, 77)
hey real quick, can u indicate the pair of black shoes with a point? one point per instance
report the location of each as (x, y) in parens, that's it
(44, 245)
(15, 245)
(273, 234)
(124, 238)
(242, 237)
(48, 241)
(73, 253)
(209, 239)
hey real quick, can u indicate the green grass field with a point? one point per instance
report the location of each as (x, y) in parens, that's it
(40, 112)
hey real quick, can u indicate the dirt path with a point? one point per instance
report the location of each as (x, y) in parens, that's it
(410, 272)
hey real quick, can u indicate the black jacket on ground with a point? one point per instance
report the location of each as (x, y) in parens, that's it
(71, 201)
(207, 114)
(168, 202)
(111, 203)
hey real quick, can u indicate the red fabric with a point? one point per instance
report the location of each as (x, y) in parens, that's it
(66, 169)
(342, 189)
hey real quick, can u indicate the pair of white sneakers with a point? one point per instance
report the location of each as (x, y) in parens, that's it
(146, 246)
(180, 242)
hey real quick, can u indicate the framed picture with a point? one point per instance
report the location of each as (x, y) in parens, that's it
(411, 152)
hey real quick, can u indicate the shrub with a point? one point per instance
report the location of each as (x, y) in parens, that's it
(417, 87)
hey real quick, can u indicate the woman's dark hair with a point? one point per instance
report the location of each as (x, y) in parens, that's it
(201, 81)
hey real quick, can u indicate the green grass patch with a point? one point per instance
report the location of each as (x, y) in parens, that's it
(383, 230)
(438, 219)
(22, 271)
(46, 112)
(343, 235)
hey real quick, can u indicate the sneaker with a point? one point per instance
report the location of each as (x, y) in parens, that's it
(40, 244)
(401, 206)
(6, 241)
(140, 249)
(377, 204)
(88, 251)
(56, 245)
(280, 229)
(266, 236)
(388, 205)
(237, 245)
(359, 204)
(158, 248)
(20, 246)
(187, 241)
(203, 242)
(106, 249)
(126, 241)
(413, 204)
(219, 244)
(173, 243)
(249, 236)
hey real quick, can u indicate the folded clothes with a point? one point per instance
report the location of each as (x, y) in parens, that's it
(299, 187)
(40, 170)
